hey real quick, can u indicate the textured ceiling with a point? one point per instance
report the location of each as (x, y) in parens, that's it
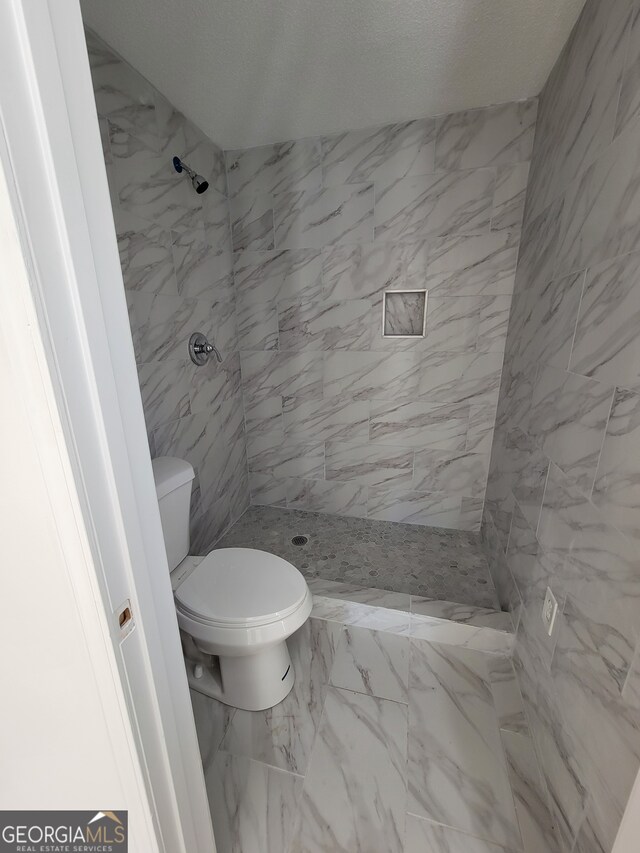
(249, 72)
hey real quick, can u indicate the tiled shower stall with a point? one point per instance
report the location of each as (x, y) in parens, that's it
(284, 263)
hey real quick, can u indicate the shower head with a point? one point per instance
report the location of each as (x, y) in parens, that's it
(199, 183)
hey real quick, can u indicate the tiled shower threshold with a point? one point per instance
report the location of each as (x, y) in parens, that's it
(425, 562)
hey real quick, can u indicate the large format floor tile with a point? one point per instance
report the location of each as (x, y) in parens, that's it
(457, 773)
(372, 662)
(423, 836)
(283, 736)
(353, 799)
(386, 744)
(253, 806)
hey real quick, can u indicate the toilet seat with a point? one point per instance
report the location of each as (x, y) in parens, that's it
(241, 588)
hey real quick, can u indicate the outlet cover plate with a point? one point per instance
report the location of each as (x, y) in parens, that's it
(549, 611)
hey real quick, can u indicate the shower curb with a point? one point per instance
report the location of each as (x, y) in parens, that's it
(475, 628)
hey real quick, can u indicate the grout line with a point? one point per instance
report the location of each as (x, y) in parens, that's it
(604, 438)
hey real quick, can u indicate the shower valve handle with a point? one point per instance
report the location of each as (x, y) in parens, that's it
(200, 349)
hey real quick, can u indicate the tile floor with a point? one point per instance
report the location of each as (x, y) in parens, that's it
(386, 744)
(428, 561)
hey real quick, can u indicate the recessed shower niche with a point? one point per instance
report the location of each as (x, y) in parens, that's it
(404, 314)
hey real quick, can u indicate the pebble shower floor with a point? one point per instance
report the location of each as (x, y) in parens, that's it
(432, 562)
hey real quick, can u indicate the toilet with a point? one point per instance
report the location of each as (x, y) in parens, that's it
(236, 607)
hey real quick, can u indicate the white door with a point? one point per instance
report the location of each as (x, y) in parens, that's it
(66, 328)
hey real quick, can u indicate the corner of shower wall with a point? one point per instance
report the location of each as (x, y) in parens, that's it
(175, 253)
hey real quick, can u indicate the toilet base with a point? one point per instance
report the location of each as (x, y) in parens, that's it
(251, 682)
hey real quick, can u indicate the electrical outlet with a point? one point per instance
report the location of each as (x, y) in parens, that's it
(549, 611)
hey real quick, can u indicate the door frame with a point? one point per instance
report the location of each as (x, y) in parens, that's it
(53, 161)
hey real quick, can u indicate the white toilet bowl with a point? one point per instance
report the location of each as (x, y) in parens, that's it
(236, 607)
(240, 605)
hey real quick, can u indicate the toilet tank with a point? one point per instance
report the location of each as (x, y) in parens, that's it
(173, 487)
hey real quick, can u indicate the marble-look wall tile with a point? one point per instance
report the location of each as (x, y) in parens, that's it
(175, 252)
(382, 155)
(369, 269)
(215, 383)
(327, 496)
(121, 94)
(252, 222)
(257, 325)
(578, 104)
(553, 314)
(146, 187)
(534, 817)
(419, 425)
(367, 375)
(263, 416)
(197, 149)
(324, 325)
(629, 103)
(328, 217)
(436, 205)
(200, 272)
(276, 168)
(368, 464)
(285, 274)
(186, 438)
(506, 696)
(164, 323)
(564, 447)
(267, 374)
(267, 455)
(452, 323)
(145, 256)
(329, 418)
(460, 377)
(412, 507)
(568, 417)
(606, 345)
(268, 490)
(616, 490)
(602, 207)
(456, 474)
(607, 764)
(538, 248)
(471, 510)
(510, 196)
(379, 215)
(494, 136)
(473, 265)
(165, 391)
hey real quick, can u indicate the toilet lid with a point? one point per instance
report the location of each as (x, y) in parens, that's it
(241, 586)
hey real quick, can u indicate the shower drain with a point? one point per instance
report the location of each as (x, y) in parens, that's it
(299, 540)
